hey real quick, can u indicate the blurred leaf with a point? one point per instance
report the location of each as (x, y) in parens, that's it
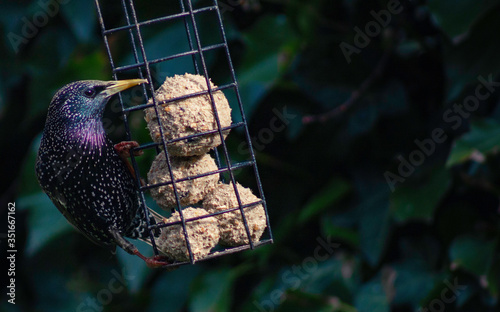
(212, 291)
(295, 126)
(10, 17)
(45, 221)
(466, 293)
(341, 233)
(456, 288)
(413, 281)
(92, 66)
(3, 95)
(63, 45)
(418, 202)
(362, 119)
(423, 250)
(408, 48)
(474, 56)
(472, 253)
(270, 44)
(482, 139)
(259, 297)
(391, 100)
(54, 286)
(371, 298)
(81, 17)
(494, 277)
(324, 199)
(339, 276)
(305, 16)
(301, 301)
(322, 72)
(135, 266)
(374, 225)
(43, 65)
(450, 14)
(172, 288)
(316, 81)
(28, 176)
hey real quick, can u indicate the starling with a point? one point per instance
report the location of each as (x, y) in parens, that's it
(86, 176)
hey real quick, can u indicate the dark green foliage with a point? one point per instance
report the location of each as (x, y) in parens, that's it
(392, 204)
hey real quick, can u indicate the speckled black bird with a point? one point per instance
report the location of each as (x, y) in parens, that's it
(86, 176)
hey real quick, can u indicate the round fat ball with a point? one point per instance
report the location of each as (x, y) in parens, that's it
(188, 116)
(203, 235)
(232, 228)
(190, 191)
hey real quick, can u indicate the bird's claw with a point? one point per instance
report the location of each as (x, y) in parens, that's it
(123, 149)
(153, 262)
(156, 262)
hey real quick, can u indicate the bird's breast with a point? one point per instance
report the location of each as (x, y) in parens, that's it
(92, 178)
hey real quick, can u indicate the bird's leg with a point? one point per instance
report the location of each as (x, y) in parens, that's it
(153, 262)
(123, 150)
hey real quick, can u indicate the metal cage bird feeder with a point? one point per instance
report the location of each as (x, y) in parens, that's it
(192, 55)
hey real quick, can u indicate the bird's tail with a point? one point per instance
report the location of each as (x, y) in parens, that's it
(156, 216)
(139, 227)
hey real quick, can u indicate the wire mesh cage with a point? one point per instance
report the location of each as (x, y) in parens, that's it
(189, 56)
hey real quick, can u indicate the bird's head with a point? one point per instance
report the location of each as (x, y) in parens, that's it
(85, 100)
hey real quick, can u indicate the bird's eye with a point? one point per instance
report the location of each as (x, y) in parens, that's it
(89, 92)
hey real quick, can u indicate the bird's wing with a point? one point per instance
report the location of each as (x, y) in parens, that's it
(60, 202)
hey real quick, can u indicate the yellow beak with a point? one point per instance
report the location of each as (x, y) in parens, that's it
(120, 85)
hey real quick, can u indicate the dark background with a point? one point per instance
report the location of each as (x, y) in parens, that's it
(387, 199)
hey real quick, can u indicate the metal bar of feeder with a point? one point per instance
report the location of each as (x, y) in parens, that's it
(163, 59)
(147, 105)
(224, 252)
(218, 171)
(156, 20)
